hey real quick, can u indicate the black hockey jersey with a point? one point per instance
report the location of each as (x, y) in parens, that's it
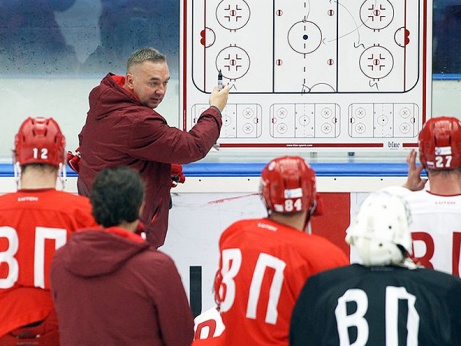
(388, 306)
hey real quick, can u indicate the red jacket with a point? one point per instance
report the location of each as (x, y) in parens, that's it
(119, 131)
(110, 287)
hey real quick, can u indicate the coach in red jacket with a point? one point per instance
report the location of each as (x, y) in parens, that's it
(122, 128)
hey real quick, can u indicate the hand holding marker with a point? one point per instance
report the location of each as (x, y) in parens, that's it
(220, 80)
(220, 86)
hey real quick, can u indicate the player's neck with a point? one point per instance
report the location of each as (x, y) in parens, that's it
(293, 220)
(129, 226)
(445, 185)
(33, 180)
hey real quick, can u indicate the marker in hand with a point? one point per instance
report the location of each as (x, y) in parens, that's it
(216, 145)
(219, 80)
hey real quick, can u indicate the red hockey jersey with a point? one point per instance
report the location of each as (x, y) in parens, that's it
(33, 224)
(262, 268)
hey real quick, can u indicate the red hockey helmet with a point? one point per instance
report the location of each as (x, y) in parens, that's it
(39, 140)
(288, 185)
(440, 143)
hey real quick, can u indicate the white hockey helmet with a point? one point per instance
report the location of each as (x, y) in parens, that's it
(380, 231)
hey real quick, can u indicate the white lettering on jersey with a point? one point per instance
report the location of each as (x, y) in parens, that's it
(266, 261)
(42, 234)
(59, 235)
(357, 319)
(7, 256)
(393, 295)
(267, 226)
(28, 199)
(232, 259)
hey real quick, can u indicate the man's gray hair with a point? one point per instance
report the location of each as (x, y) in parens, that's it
(143, 54)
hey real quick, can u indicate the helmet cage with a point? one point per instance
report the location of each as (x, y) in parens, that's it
(380, 230)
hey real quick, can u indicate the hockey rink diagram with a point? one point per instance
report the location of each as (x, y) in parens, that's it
(323, 71)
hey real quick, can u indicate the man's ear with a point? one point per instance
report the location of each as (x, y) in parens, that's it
(129, 81)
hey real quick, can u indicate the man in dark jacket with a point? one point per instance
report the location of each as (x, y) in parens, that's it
(122, 129)
(110, 286)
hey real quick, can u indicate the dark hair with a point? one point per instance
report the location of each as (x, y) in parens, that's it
(143, 54)
(116, 196)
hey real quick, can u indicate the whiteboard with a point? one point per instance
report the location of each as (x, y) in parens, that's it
(310, 74)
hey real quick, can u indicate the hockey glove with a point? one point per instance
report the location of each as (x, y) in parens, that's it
(177, 175)
(73, 160)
